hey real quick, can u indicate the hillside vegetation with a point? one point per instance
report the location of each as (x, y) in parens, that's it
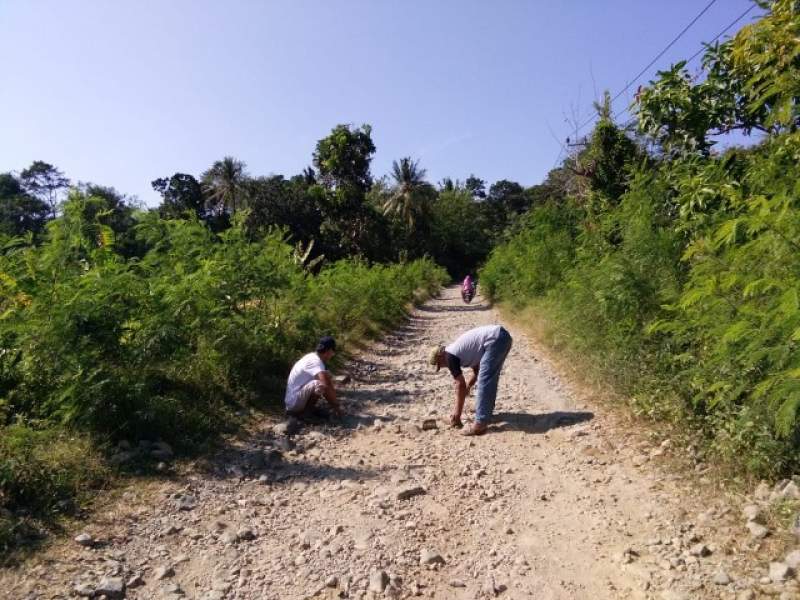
(673, 269)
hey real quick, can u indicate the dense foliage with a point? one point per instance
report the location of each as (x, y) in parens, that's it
(674, 269)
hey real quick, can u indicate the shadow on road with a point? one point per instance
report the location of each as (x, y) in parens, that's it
(529, 423)
(456, 308)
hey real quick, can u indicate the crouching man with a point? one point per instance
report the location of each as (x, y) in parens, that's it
(484, 350)
(310, 380)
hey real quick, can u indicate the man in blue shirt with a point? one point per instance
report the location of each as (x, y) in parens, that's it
(484, 350)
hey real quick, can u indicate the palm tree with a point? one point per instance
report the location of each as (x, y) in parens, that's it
(410, 194)
(224, 183)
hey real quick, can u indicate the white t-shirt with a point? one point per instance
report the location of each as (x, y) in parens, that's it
(303, 371)
(470, 346)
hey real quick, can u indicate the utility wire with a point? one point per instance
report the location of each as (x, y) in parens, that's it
(652, 62)
(707, 44)
(720, 34)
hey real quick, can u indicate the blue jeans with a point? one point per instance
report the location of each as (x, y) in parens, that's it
(489, 375)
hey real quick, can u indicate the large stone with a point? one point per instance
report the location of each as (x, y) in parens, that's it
(121, 457)
(757, 530)
(788, 491)
(762, 492)
(409, 491)
(793, 559)
(721, 578)
(84, 539)
(429, 557)
(161, 451)
(753, 512)
(378, 580)
(429, 424)
(111, 587)
(164, 572)
(699, 550)
(84, 590)
(779, 571)
(186, 502)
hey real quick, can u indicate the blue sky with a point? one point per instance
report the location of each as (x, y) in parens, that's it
(122, 92)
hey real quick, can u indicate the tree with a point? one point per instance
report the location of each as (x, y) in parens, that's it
(411, 194)
(476, 186)
(181, 194)
(44, 181)
(20, 212)
(108, 207)
(277, 202)
(224, 183)
(459, 232)
(343, 158)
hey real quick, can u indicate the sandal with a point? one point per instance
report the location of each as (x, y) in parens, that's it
(455, 422)
(475, 429)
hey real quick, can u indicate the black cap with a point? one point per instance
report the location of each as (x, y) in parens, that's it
(326, 343)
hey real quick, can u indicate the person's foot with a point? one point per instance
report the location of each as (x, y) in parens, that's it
(455, 422)
(475, 429)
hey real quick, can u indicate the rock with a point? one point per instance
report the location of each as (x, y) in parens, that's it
(84, 590)
(245, 533)
(752, 512)
(757, 530)
(332, 581)
(187, 502)
(746, 595)
(699, 550)
(491, 588)
(721, 578)
(161, 451)
(674, 595)
(793, 559)
(273, 456)
(135, 581)
(342, 379)
(789, 491)
(406, 492)
(84, 539)
(779, 571)
(172, 588)
(378, 580)
(429, 424)
(164, 572)
(457, 583)
(762, 492)
(122, 457)
(429, 557)
(111, 587)
(213, 595)
(228, 538)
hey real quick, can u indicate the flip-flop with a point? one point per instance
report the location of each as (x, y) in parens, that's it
(472, 430)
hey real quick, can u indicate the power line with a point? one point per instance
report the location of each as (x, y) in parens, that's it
(720, 34)
(652, 62)
(707, 44)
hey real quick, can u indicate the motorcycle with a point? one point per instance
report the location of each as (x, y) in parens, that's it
(468, 293)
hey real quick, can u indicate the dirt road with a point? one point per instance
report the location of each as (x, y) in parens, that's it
(555, 502)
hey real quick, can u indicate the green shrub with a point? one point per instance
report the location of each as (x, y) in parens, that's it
(43, 472)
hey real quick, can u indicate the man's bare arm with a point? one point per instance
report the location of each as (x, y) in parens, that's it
(473, 378)
(330, 391)
(461, 393)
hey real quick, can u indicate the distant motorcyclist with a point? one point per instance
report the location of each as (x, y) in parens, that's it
(468, 289)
